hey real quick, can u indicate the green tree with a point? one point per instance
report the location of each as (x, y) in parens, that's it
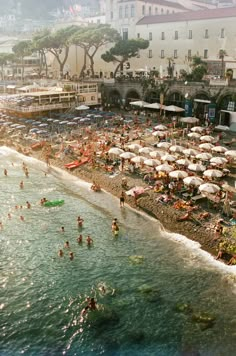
(90, 39)
(21, 50)
(222, 53)
(199, 69)
(123, 50)
(38, 46)
(5, 58)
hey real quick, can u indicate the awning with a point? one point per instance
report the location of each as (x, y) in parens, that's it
(202, 101)
(11, 86)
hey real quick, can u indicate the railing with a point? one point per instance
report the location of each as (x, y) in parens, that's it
(36, 108)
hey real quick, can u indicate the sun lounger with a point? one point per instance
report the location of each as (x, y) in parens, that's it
(198, 197)
(76, 164)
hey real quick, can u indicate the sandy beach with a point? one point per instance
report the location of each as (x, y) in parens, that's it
(200, 230)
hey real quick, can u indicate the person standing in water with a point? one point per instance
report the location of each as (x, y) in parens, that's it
(80, 221)
(5, 172)
(122, 199)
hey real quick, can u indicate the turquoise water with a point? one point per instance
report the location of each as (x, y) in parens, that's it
(42, 295)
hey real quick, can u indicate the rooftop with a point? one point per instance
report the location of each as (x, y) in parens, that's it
(166, 3)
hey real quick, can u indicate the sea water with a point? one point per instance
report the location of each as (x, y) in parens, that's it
(149, 285)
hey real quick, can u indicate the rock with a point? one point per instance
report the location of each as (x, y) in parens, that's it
(135, 259)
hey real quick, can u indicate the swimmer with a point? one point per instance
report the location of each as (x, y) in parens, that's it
(43, 200)
(5, 172)
(92, 304)
(60, 253)
(115, 228)
(26, 172)
(9, 216)
(1, 225)
(122, 199)
(62, 229)
(67, 245)
(28, 205)
(22, 218)
(16, 207)
(71, 256)
(80, 221)
(89, 240)
(21, 184)
(80, 239)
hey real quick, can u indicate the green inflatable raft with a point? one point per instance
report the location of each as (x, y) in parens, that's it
(53, 203)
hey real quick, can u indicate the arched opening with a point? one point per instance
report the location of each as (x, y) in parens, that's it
(200, 106)
(175, 98)
(132, 95)
(113, 99)
(224, 102)
(152, 96)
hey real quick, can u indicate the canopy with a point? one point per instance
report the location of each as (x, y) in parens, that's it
(82, 107)
(155, 106)
(139, 103)
(173, 108)
(189, 120)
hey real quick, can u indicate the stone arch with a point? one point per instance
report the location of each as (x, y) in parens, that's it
(114, 98)
(174, 97)
(201, 108)
(131, 95)
(223, 100)
(152, 96)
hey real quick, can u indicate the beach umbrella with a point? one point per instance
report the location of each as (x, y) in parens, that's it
(43, 125)
(190, 152)
(145, 150)
(229, 188)
(127, 155)
(115, 151)
(56, 121)
(222, 128)
(206, 146)
(167, 157)
(152, 162)
(197, 129)
(164, 145)
(137, 190)
(82, 107)
(183, 162)
(160, 133)
(156, 154)
(189, 120)
(209, 188)
(20, 127)
(196, 181)
(33, 130)
(213, 173)
(164, 168)
(14, 125)
(138, 159)
(194, 135)
(134, 146)
(178, 174)
(72, 123)
(161, 127)
(155, 106)
(231, 153)
(207, 138)
(139, 103)
(196, 167)
(219, 149)
(204, 156)
(49, 120)
(176, 148)
(173, 108)
(218, 160)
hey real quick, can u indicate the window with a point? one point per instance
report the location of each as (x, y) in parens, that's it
(162, 11)
(175, 53)
(176, 35)
(132, 10)
(222, 33)
(150, 36)
(150, 53)
(162, 53)
(120, 12)
(189, 55)
(206, 34)
(143, 10)
(205, 55)
(163, 35)
(125, 34)
(138, 35)
(156, 10)
(111, 15)
(167, 11)
(190, 34)
(92, 98)
(149, 11)
(126, 11)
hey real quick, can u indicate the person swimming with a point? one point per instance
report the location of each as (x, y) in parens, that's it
(115, 228)
(62, 229)
(28, 205)
(89, 240)
(71, 256)
(67, 244)
(21, 184)
(60, 253)
(80, 221)
(80, 239)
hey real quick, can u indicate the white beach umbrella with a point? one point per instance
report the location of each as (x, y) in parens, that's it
(190, 152)
(183, 162)
(164, 145)
(197, 129)
(231, 153)
(178, 174)
(139, 103)
(222, 128)
(207, 138)
(213, 173)
(229, 188)
(134, 146)
(209, 188)
(159, 133)
(127, 155)
(164, 168)
(219, 149)
(189, 120)
(218, 160)
(196, 167)
(138, 159)
(156, 154)
(173, 108)
(176, 148)
(82, 107)
(161, 127)
(169, 158)
(145, 150)
(155, 106)
(152, 162)
(196, 181)
(194, 135)
(206, 146)
(115, 151)
(204, 156)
